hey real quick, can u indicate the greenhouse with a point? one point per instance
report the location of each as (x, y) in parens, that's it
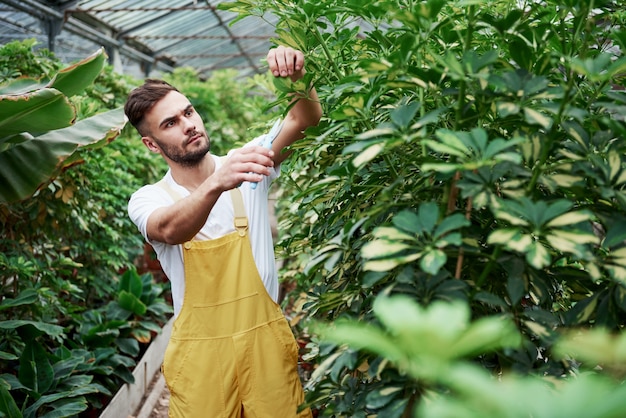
(143, 37)
(339, 208)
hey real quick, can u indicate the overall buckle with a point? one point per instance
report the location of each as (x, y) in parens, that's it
(241, 224)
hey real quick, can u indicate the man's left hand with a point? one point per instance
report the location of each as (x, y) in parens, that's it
(286, 62)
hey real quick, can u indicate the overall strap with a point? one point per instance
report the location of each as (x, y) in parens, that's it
(173, 193)
(241, 220)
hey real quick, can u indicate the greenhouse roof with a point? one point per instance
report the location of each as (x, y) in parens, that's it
(151, 35)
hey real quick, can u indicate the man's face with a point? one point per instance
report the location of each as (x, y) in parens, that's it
(176, 131)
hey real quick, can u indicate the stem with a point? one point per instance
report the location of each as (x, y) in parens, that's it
(329, 56)
(454, 193)
(547, 146)
(459, 261)
(390, 165)
(489, 266)
(462, 85)
(454, 190)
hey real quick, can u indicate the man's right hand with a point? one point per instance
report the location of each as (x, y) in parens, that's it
(244, 164)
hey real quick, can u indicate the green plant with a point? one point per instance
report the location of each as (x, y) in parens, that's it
(435, 346)
(44, 383)
(66, 250)
(61, 381)
(17, 60)
(123, 326)
(127, 320)
(39, 134)
(471, 151)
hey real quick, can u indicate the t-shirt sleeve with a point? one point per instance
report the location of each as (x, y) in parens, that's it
(145, 201)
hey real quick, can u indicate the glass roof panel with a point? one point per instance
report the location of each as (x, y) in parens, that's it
(142, 36)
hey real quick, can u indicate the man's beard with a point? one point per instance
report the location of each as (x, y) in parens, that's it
(190, 159)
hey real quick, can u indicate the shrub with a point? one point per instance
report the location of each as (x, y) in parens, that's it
(71, 323)
(471, 151)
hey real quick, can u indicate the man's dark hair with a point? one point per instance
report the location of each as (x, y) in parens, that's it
(141, 100)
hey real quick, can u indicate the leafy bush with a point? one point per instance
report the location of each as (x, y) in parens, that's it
(471, 151)
(17, 60)
(74, 313)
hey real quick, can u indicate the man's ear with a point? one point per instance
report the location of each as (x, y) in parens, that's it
(150, 144)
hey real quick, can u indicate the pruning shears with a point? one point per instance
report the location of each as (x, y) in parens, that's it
(269, 139)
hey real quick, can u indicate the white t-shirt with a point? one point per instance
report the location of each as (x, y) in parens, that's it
(219, 223)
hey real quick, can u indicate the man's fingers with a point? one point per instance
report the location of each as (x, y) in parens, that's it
(254, 155)
(251, 168)
(298, 61)
(285, 61)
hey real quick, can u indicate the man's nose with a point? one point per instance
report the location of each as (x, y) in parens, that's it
(188, 125)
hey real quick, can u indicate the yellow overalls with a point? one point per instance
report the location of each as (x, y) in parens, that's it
(231, 353)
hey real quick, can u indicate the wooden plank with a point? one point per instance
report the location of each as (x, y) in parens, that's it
(128, 399)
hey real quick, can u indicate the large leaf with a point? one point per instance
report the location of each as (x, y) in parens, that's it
(28, 166)
(39, 111)
(67, 408)
(51, 330)
(35, 371)
(131, 282)
(7, 404)
(65, 404)
(65, 367)
(75, 78)
(26, 297)
(131, 303)
(21, 85)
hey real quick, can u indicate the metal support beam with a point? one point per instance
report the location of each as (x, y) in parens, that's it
(78, 27)
(235, 41)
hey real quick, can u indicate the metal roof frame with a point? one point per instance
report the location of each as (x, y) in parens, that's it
(143, 36)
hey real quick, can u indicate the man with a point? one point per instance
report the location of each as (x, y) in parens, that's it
(231, 353)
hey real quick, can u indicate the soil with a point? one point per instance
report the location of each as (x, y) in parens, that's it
(162, 405)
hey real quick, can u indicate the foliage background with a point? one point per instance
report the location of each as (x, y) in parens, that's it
(76, 309)
(472, 152)
(457, 216)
